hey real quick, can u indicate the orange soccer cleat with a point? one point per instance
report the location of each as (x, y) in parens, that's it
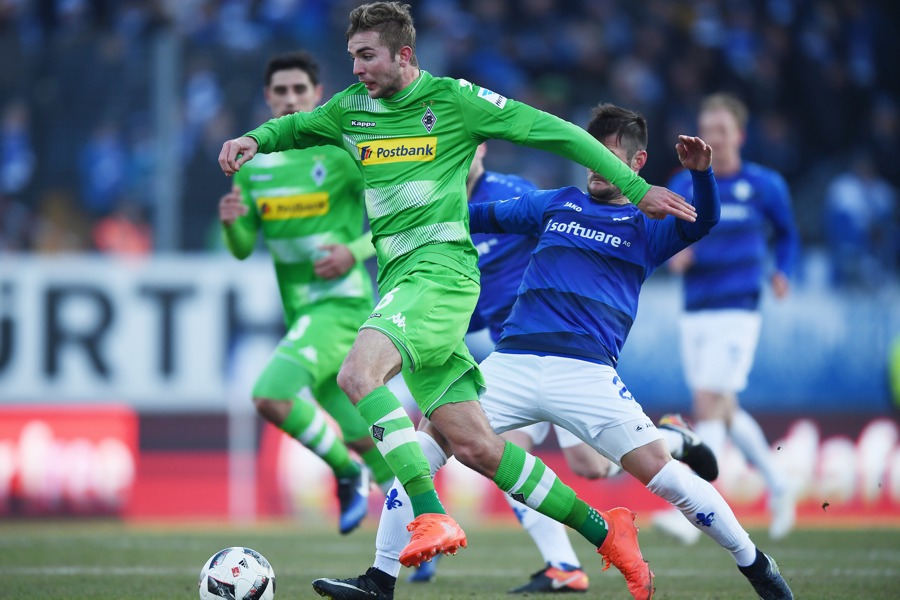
(621, 549)
(432, 534)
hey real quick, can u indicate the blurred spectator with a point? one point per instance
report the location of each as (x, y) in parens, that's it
(60, 225)
(16, 225)
(124, 231)
(17, 165)
(104, 168)
(860, 209)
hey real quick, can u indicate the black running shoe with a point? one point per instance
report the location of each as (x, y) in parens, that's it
(356, 588)
(551, 580)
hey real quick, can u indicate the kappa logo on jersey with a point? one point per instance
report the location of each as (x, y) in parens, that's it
(298, 206)
(366, 124)
(574, 228)
(399, 320)
(492, 97)
(378, 152)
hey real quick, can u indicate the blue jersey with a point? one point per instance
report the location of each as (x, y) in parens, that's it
(579, 294)
(501, 258)
(730, 263)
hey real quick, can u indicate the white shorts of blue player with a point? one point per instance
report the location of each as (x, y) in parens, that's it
(591, 401)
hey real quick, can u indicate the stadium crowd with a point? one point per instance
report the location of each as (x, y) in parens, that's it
(79, 91)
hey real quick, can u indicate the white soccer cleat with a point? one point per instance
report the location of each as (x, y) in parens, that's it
(674, 524)
(783, 508)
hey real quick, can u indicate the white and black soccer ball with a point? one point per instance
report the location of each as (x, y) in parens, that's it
(237, 573)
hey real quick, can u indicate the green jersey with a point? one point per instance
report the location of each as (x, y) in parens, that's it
(302, 199)
(414, 150)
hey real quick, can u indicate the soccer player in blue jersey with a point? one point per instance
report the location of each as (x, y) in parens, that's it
(502, 260)
(556, 358)
(723, 280)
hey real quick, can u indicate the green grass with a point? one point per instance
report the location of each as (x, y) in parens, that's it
(99, 560)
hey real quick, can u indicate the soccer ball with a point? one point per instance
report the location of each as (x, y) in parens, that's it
(237, 573)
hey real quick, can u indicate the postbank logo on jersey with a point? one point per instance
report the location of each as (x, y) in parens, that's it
(298, 206)
(415, 149)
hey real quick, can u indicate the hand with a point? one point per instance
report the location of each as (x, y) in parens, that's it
(682, 261)
(235, 153)
(231, 207)
(338, 261)
(660, 202)
(694, 153)
(781, 286)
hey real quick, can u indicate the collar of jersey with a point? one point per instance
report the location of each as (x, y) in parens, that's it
(409, 90)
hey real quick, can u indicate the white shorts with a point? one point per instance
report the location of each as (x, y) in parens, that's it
(539, 431)
(717, 348)
(587, 399)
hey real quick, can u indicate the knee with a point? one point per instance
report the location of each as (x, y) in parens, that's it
(273, 411)
(590, 469)
(354, 383)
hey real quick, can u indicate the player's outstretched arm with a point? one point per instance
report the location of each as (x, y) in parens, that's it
(659, 202)
(235, 153)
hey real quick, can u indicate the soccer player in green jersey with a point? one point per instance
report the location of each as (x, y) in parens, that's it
(309, 206)
(413, 136)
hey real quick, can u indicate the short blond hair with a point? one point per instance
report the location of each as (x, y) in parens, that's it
(730, 103)
(393, 22)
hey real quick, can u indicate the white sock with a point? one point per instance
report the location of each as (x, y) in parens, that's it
(549, 535)
(705, 508)
(713, 433)
(749, 438)
(397, 513)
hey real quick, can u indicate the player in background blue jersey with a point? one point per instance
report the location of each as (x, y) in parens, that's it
(556, 357)
(723, 281)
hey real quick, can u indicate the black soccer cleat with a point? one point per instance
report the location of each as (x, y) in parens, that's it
(355, 588)
(766, 579)
(551, 580)
(695, 454)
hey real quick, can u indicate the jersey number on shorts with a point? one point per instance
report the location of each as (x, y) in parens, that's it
(623, 391)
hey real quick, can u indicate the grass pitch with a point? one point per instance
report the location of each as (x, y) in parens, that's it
(99, 560)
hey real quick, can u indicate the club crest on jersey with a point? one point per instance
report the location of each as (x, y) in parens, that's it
(319, 173)
(428, 120)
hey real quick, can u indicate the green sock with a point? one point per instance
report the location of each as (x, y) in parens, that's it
(381, 471)
(307, 423)
(542, 490)
(395, 438)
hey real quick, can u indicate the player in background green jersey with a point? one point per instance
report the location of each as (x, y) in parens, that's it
(308, 204)
(413, 136)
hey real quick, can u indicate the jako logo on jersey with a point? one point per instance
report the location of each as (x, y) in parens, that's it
(575, 228)
(492, 97)
(377, 152)
(298, 206)
(573, 207)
